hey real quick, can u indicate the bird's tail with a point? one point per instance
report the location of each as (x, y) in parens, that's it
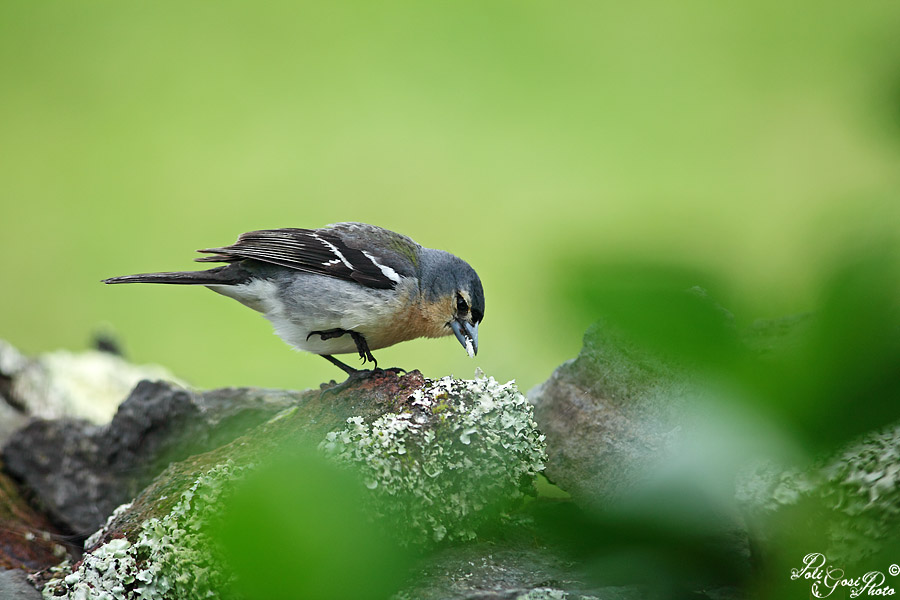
(228, 275)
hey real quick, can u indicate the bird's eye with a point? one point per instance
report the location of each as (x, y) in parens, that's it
(462, 307)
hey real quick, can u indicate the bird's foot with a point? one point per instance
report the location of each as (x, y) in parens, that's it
(394, 370)
(363, 349)
(357, 376)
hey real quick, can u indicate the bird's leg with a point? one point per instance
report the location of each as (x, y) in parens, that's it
(361, 346)
(353, 375)
(336, 333)
(366, 355)
(341, 365)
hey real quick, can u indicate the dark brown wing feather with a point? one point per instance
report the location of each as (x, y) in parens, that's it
(320, 251)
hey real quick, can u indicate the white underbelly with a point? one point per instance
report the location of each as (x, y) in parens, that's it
(302, 337)
(333, 305)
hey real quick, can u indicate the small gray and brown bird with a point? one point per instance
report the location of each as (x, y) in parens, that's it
(348, 287)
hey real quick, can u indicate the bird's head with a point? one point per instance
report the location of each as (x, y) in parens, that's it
(454, 291)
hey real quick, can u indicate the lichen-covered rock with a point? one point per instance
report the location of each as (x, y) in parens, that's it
(476, 439)
(86, 385)
(312, 414)
(847, 507)
(548, 593)
(456, 449)
(81, 472)
(170, 556)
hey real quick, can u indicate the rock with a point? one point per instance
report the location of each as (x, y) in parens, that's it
(11, 420)
(80, 472)
(846, 507)
(617, 411)
(608, 415)
(27, 539)
(478, 432)
(625, 437)
(312, 415)
(12, 362)
(14, 585)
(518, 562)
(169, 557)
(85, 385)
(501, 569)
(482, 427)
(12, 415)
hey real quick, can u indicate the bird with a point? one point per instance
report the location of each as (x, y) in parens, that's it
(344, 288)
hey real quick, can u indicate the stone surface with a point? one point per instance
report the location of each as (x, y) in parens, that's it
(14, 585)
(82, 385)
(80, 472)
(11, 420)
(510, 568)
(150, 542)
(611, 414)
(12, 415)
(27, 539)
(171, 454)
(846, 507)
(169, 557)
(313, 414)
(456, 453)
(518, 562)
(607, 415)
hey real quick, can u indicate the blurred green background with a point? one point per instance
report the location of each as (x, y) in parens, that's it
(752, 140)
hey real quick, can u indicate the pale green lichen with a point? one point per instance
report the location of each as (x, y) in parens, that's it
(458, 448)
(546, 593)
(864, 487)
(854, 498)
(171, 557)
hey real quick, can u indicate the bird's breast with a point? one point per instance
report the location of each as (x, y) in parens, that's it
(305, 304)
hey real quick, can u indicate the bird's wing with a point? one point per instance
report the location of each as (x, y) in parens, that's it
(369, 255)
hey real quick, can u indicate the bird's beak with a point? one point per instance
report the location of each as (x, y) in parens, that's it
(467, 334)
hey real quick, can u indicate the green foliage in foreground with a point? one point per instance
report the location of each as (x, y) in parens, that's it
(811, 400)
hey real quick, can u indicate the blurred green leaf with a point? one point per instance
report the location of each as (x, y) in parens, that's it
(826, 376)
(841, 376)
(810, 382)
(720, 135)
(665, 309)
(295, 528)
(673, 542)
